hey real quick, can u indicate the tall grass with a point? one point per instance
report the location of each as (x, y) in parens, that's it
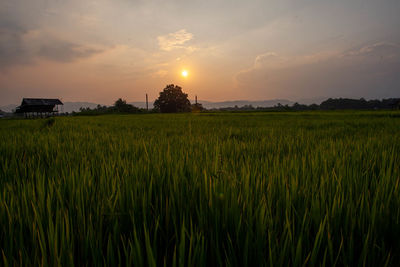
(251, 189)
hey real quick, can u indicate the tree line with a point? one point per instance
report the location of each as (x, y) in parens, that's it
(120, 106)
(329, 104)
(173, 100)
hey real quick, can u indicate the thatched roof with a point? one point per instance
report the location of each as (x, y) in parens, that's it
(40, 102)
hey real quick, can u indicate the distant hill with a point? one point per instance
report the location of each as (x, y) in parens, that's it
(8, 108)
(312, 100)
(75, 106)
(224, 104)
(240, 103)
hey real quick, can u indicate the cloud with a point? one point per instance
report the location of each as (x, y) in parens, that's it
(366, 71)
(160, 73)
(13, 50)
(19, 46)
(175, 40)
(265, 58)
(23, 40)
(12, 47)
(65, 51)
(385, 50)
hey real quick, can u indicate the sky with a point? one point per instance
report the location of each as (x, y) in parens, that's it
(101, 50)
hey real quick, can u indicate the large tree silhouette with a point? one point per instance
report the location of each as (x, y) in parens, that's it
(172, 99)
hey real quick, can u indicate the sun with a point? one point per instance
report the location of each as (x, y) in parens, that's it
(185, 73)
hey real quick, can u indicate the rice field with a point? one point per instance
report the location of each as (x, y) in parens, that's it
(209, 189)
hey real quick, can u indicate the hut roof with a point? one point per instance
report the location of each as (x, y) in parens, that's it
(40, 102)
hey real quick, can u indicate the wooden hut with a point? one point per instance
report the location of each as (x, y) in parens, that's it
(39, 107)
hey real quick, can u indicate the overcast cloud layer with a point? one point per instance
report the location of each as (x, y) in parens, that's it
(101, 50)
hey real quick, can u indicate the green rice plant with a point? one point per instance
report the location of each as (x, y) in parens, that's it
(236, 189)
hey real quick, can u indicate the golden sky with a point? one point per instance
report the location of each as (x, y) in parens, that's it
(101, 50)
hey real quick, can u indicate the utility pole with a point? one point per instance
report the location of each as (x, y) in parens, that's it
(147, 103)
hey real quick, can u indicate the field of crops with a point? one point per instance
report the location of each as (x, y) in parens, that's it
(238, 189)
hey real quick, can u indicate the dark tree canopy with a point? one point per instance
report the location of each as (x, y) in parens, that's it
(121, 106)
(172, 99)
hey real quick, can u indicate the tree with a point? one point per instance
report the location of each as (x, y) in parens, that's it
(121, 106)
(172, 99)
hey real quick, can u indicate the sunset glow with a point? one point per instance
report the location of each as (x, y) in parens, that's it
(298, 50)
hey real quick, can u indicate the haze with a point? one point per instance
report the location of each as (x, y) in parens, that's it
(99, 51)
